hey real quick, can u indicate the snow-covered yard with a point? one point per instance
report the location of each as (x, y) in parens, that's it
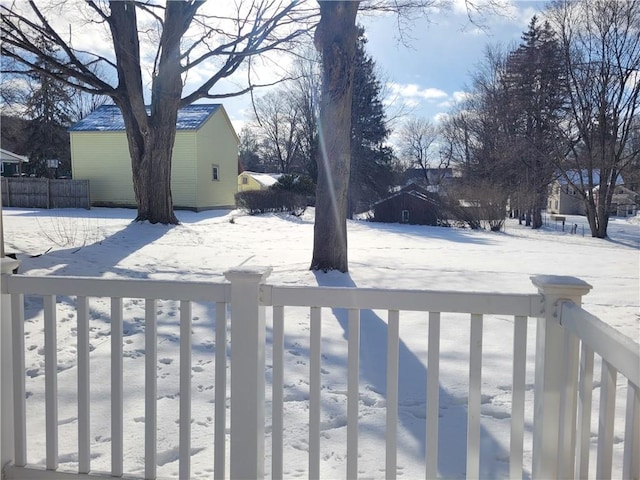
(104, 243)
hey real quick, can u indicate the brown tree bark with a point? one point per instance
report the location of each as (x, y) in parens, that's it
(335, 39)
(150, 135)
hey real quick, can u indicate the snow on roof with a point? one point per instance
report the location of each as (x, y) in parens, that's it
(10, 157)
(266, 179)
(108, 118)
(412, 193)
(575, 177)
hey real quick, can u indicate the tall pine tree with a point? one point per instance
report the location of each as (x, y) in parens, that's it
(536, 96)
(371, 160)
(48, 107)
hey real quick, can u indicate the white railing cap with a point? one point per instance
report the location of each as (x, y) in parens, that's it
(557, 283)
(255, 273)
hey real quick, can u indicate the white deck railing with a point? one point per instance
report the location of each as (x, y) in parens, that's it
(566, 339)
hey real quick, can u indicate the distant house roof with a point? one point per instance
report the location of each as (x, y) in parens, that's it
(265, 179)
(413, 193)
(108, 118)
(10, 157)
(575, 176)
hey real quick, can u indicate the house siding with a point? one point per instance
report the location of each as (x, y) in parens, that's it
(217, 144)
(561, 201)
(102, 157)
(252, 183)
(183, 170)
(419, 211)
(106, 163)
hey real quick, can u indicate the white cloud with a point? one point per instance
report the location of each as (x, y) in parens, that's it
(414, 92)
(460, 96)
(440, 117)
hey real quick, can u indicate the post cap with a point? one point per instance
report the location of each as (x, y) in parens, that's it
(256, 274)
(557, 284)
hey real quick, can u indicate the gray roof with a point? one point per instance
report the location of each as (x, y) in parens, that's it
(108, 118)
(10, 157)
(575, 177)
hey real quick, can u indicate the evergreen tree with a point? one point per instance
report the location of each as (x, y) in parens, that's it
(248, 157)
(536, 97)
(48, 107)
(371, 160)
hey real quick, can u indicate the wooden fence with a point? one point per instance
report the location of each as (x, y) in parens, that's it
(45, 193)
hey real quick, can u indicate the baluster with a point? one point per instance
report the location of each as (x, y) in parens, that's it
(631, 459)
(150, 388)
(185, 390)
(606, 420)
(585, 394)
(393, 342)
(84, 399)
(517, 399)
(473, 409)
(51, 380)
(277, 424)
(19, 396)
(314, 392)
(117, 395)
(220, 412)
(433, 394)
(353, 392)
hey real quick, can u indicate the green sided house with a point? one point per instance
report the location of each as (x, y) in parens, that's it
(204, 168)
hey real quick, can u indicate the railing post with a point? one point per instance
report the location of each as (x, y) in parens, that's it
(6, 374)
(247, 372)
(555, 379)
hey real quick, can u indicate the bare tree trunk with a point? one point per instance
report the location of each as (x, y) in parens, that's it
(537, 209)
(592, 215)
(335, 39)
(150, 135)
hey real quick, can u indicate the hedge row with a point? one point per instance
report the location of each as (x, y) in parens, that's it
(263, 201)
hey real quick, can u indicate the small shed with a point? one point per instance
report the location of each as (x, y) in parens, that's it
(411, 206)
(204, 165)
(256, 181)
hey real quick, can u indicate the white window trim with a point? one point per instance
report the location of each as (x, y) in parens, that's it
(215, 173)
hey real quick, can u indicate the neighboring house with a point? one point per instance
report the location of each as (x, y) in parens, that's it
(11, 163)
(624, 202)
(256, 181)
(412, 205)
(203, 169)
(564, 199)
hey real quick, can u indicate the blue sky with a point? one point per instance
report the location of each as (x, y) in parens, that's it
(431, 73)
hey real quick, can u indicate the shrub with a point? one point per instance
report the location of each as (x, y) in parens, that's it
(478, 206)
(263, 201)
(299, 184)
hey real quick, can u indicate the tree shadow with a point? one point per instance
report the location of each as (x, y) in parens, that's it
(453, 234)
(99, 257)
(412, 395)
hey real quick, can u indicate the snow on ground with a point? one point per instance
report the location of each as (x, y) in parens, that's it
(105, 243)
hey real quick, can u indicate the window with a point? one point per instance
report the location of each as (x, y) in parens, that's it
(405, 216)
(245, 180)
(215, 172)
